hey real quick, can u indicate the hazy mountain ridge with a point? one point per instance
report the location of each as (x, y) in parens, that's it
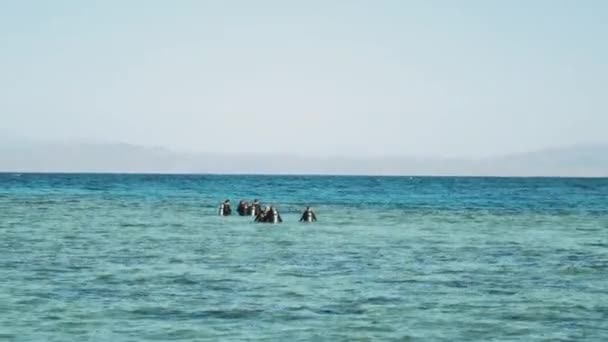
(589, 160)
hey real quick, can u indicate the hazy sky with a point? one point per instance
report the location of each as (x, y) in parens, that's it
(435, 78)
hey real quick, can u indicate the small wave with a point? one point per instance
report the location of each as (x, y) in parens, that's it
(158, 313)
(294, 294)
(374, 328)
(597, 244)
(456, 284)
(576, 270)
(133, 225)
(243, 269)
(343, 309)
(299, 274)
(107, 277)
(31, 301)
(500, 292)
(380, 300)
(396, 281)
(184, 280)
(228, 314)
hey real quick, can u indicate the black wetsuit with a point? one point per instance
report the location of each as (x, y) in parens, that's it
(260, 217)
(308, 216)
(270, 217)
(227, 209)
(254, 209)
(243, 209)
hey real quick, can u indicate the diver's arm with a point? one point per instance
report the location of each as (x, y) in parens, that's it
(314, 217)
(303, 217)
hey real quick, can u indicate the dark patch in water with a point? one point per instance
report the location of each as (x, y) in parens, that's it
(340, 309)
(79, 267)
(299, 274)
(380, 300)
(597, 244)
(133, 225)
(176, 261)
(228, 314)
(105, 277)
(158, 313)
(456, 284)
(395, 281)
(294, 294)
(500, 292)
(241, 269)
(184, 280)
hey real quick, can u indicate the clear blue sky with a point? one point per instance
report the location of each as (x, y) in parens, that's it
(430, 78)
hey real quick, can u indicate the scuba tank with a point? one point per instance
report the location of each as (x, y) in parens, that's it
(309, 216)
(275, 216)
(221, 209)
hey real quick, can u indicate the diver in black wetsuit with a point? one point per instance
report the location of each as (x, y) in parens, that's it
(243, 208)
(308, 216)
(261, 216)
(254, 209)
(273, 216)
(224, 209)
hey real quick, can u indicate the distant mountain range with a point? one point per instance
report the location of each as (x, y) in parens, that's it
(574, 161)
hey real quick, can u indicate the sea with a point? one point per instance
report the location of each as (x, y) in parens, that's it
(127, 257)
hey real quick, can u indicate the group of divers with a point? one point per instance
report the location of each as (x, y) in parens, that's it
(266, 214)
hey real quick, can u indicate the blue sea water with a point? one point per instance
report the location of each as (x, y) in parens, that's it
(146, 258)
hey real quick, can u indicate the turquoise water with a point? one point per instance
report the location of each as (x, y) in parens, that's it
(144, 257)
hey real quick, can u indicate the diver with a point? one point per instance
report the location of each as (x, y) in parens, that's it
(243, 208)
(308, 216)
(224, 209)
(261, 216)
(254, 209)
(273, 216)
